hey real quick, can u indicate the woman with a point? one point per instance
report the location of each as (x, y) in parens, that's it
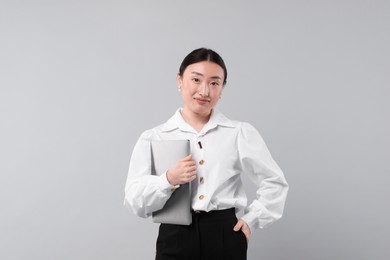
(221, 150)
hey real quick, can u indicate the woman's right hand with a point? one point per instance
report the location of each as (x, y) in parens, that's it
(183, 171)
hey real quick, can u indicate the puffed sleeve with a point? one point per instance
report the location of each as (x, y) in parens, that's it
(144, 192)
(257, 162)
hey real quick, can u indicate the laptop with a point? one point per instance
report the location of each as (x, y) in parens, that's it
(177, 210)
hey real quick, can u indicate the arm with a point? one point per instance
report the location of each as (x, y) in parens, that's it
(272, 188)
(144, 192)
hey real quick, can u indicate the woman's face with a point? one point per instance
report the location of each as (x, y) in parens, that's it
(201, 86)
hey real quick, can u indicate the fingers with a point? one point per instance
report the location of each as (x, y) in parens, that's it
(183, 171)
(243, 226)
(191, 168)
(191, 178)
(190, 173)
(238, 226)
(186, 173)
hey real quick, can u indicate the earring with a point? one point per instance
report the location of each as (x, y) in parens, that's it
(179, 89)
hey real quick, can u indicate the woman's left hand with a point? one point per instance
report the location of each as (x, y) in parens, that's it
(242, 225)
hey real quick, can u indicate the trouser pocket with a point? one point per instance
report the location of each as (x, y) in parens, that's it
(234, 245)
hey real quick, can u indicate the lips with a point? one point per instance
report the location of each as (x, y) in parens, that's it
(202, 100)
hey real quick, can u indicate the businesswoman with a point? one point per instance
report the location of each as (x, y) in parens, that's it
(221, 150)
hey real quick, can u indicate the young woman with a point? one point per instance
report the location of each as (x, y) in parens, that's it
(221, 150)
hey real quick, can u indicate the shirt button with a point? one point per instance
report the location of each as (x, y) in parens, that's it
(201, 197)
(201, 180)
(201, 162)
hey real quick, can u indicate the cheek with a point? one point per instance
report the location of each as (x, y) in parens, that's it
(217, 93)
(187, 94)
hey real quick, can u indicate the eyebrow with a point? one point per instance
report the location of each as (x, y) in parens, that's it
(200, 74)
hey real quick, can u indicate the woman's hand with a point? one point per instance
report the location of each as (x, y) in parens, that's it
(183, 171)
(242, 225)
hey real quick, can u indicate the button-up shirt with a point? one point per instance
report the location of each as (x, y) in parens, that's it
(224, 149)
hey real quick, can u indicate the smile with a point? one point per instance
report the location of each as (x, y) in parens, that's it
(202, 100)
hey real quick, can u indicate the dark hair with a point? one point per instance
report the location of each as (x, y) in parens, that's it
(203, 54)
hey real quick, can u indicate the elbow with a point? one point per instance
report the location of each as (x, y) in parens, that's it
(135, 205)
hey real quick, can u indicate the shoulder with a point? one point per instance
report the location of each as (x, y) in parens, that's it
(149, 134)
(241, 125)
(153, 133)
(247, 131)
(245, 126)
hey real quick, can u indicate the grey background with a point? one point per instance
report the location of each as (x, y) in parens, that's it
(80, 81)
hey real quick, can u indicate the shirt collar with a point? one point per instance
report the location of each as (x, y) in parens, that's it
(216, 119)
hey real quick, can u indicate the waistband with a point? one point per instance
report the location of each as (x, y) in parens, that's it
(214, 215)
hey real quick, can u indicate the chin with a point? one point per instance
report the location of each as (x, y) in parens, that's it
(202, 110)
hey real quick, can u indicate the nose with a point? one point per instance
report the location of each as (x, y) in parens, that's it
(204, 90)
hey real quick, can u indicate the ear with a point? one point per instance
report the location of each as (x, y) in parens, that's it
(179, 80)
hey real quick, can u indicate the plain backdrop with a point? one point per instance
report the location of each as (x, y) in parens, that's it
(80, 80)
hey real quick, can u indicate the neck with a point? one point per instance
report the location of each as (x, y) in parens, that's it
(197, 121)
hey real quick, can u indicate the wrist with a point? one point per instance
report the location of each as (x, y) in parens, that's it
(169, 179)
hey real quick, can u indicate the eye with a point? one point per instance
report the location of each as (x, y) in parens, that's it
(214, 84)
(196, 80)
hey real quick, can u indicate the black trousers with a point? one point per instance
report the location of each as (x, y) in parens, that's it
(209, 237)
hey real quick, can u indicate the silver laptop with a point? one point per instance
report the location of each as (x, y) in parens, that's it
(177, 210)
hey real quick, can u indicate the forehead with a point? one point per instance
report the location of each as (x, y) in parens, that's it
(205, 68)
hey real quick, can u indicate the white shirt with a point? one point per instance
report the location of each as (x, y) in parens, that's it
(227, 149)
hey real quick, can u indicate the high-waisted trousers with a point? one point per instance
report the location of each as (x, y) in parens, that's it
(209, 237)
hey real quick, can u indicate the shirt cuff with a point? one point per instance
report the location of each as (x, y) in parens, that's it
(251, 219)
(165, 185)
